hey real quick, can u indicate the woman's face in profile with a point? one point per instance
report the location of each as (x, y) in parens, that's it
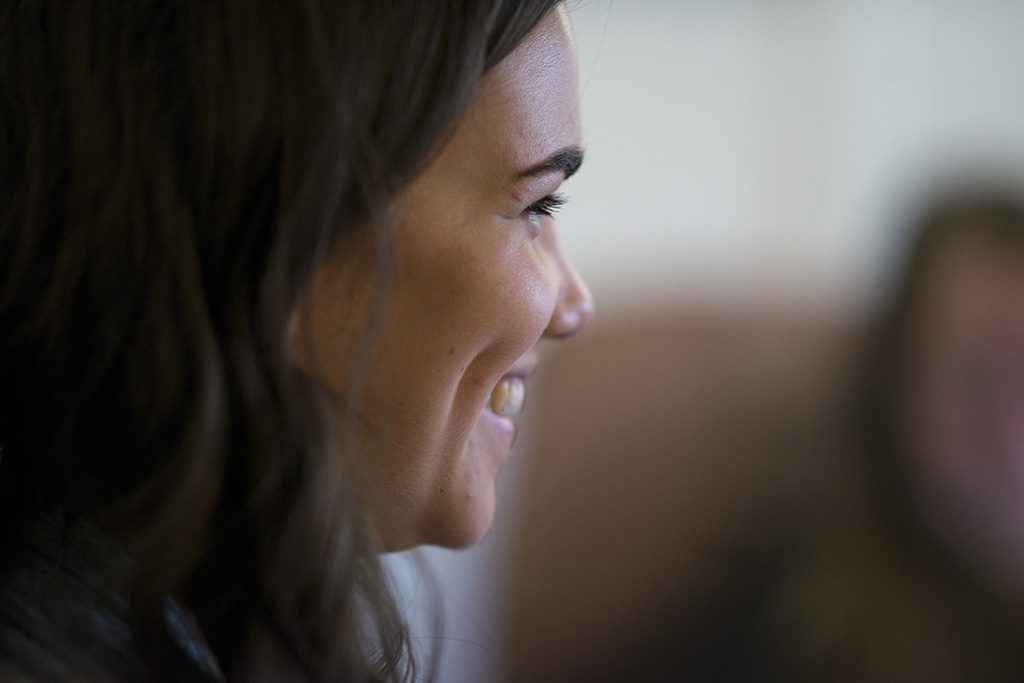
(479, 278)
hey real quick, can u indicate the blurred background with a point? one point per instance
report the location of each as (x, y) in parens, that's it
(750, 156)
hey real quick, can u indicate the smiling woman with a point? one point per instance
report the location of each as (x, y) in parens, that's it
(271, 279)
(478, 278)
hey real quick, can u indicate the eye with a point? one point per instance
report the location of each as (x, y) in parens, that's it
(546, 206)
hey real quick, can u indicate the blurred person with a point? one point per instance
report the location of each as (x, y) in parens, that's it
(271, 278)
(942, 402)
(947, 391)
(916, 574)
(851, 513)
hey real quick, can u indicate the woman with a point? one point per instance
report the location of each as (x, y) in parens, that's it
(944, 392)
(270, 280)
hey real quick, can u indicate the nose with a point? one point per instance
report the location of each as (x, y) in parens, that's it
(574, 306)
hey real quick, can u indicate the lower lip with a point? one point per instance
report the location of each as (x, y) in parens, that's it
(502, 425)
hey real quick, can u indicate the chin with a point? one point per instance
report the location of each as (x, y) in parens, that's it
(464, 511)
(466, 528)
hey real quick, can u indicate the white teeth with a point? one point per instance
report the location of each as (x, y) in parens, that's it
(508, 397)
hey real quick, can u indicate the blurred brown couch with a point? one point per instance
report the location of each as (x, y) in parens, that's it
(666, 443)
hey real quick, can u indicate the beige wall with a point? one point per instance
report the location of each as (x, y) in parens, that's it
(749, 143)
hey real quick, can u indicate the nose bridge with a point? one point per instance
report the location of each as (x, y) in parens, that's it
(574, 306)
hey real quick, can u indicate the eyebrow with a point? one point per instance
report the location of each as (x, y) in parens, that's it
(567, 161)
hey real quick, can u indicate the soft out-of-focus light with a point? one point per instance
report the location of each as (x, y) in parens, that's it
(744, 146)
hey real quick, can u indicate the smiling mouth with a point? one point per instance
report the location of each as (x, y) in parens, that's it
(508, 397)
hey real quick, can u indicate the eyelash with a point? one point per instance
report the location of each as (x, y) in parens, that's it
(547, 206)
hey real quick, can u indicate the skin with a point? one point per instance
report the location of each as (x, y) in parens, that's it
(967, 419)
(478, 279)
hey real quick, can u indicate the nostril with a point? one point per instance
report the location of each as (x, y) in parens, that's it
(586, 311)
(572, 313)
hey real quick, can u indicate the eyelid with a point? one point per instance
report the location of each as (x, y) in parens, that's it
(548, 205)
(545, 207)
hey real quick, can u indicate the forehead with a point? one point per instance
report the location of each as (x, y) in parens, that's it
(527, 106)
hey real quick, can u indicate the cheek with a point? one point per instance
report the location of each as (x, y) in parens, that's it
(497, 290)
(330, 321)
(528, 298)
(480, 332)
(528, 285)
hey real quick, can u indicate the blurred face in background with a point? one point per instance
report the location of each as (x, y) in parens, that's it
(478, 279)
(967, 405)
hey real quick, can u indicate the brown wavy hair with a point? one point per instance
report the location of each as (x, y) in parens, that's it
(171, 174)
